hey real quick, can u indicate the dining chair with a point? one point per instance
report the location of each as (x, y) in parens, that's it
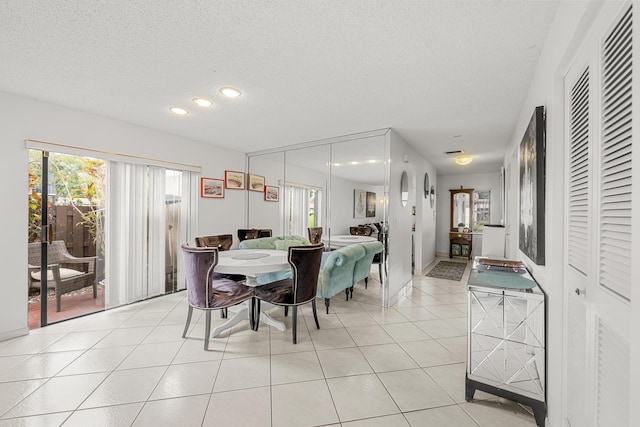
(223, 242)
(381, 257)
(315, 235)
(207, 293)
(360, 231)
(248, 233)
(297, 290)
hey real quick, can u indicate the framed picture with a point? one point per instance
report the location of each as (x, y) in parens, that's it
(212, 188)
(271, 193)
(256, 182)
(371, 204)
(234, 180)
(359, 203)
(532, 183)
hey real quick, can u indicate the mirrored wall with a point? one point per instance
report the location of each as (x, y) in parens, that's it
(335, 184)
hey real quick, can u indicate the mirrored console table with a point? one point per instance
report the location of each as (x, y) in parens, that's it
(506, 338)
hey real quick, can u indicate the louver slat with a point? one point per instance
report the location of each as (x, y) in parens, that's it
(579, 174)
(615, 164)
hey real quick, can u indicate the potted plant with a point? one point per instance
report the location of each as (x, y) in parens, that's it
(460, 227)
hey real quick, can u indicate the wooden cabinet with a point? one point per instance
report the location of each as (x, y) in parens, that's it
(460, 245)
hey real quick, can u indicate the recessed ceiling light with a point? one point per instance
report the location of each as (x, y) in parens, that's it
(202, 102)
(179, 111)
(355, 163)
(373, 161)
(230, 92)
(463, 160)
(335, 164)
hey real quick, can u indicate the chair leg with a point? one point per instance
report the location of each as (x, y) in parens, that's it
(223, 313)
(286, 310)
(294, 321)
(315, 313)
(327, 301)
(351, 292)
(207, 329)
(58, 301)
(256, 313)
(186, 326)
(95, 290)
(380, 271)
(366, 282)
(346, 292)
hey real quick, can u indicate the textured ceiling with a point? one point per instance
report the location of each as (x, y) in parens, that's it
(432, 70)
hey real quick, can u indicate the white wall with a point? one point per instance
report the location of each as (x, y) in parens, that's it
(480, 181)
(24, 118)
(567, 30)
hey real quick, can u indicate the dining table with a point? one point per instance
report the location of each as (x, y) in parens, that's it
(341, 240)
(250, 263)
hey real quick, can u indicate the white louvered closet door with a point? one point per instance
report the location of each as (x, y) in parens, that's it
(598, 93)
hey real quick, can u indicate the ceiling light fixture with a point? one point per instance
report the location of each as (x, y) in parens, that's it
(230, 92)
(463, 160)
(179, 111)
(202, 102)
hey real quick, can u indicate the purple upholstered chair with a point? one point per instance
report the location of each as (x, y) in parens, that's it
(204, 291)
(297, 290)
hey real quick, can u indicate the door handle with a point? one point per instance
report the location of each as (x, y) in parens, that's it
(579, 291)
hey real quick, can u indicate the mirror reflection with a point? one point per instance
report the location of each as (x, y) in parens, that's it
(461, 208)
(404, 189)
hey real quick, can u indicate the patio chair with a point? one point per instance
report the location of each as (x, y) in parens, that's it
(65, 272)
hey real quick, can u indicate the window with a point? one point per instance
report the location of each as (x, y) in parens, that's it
(481, 209)
(304, 209)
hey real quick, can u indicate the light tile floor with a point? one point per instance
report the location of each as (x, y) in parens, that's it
(367, 366)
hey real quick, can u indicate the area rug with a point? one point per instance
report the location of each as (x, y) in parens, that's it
(449, 270)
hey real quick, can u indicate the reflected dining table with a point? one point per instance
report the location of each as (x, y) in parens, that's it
(250, 263)
(341, 240)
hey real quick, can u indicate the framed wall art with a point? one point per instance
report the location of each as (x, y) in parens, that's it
(256, 182)
(371, 204)
(532, 188)
(359, 203)
(234, 180)
(271, 193)
(211, 188)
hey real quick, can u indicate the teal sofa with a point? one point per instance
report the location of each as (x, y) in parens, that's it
(336, 271)
(363, 265)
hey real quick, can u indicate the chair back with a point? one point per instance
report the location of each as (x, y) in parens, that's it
(315, 235)
(360, 231)
(305, 265)
(221, 241)
(264, 232)
(247, 233)
(198, 270)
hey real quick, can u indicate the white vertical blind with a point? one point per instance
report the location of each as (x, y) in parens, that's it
(188, 224)
(156, 232)
(579, 170)
(126, 233)
(615, 162)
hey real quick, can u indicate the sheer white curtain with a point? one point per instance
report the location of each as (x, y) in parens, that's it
(188, 224)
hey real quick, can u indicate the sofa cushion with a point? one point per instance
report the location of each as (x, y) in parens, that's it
(283, 245)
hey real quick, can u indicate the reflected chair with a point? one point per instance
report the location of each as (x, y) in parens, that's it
(381, 257)
(297, 290)
(264, 232)
(204, 292)
(223, 242)
(247, 233)
(360, 231)
(315, 235)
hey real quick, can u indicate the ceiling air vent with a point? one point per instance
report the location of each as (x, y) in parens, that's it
(454, 152)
